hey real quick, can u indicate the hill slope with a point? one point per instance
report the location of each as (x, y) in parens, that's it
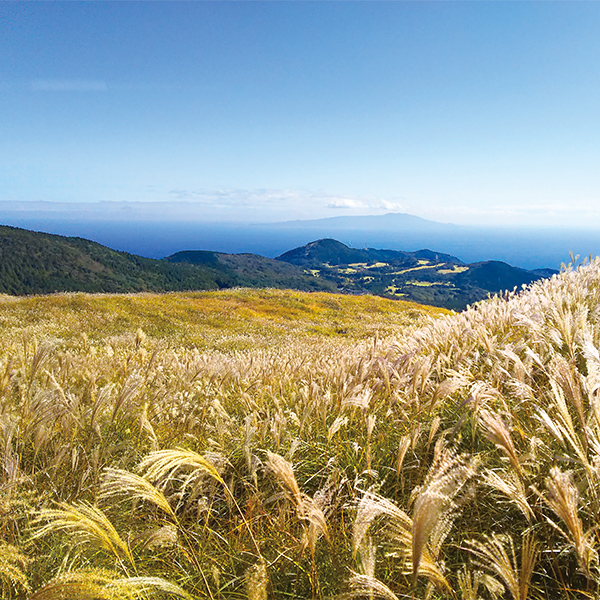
(425, 276)
(38, 263)
(251, 270)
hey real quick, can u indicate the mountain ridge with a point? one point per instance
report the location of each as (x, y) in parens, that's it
(388, 221)
(423, 276)
(39, 263)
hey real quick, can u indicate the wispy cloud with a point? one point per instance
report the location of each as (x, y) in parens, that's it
(68, 85)
(366, 203)
(217, 205)
(285, 204)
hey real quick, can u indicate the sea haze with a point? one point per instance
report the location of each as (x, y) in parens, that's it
(148, 235)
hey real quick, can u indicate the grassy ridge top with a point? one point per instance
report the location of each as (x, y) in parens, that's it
(210, 319)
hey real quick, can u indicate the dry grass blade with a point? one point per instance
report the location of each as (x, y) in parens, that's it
(188, 469)
(397, 532)
(86, 524)
(119, 483)
(87, 584)
(370, 507)
(142, 587)
(498, 433)
(362, 586)
(566, 377)
(317, 523)
(469, 583)
(12, 568)
(367, 554)
(101, 584)
(306, 507)
(492, 554)
(512, 486)
(402, 450)
(435, 507)
(564, 423)
(130, 387)
(563, 499)
(283, 470)
(257, 580)
(336, 426)
(165, 465)
(158, 537)
(529, 558)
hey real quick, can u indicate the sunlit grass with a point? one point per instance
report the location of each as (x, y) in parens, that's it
(455, 269)
(272, 444)
(206, 319)
(419, 268)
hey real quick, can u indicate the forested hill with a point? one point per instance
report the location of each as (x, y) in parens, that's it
(425, 276)
(39, 263)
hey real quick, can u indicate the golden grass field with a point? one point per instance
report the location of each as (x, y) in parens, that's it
(273, 444)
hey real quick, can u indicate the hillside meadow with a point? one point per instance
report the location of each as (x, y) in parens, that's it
(271, 444)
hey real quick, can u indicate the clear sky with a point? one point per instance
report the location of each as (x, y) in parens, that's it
(465, 112)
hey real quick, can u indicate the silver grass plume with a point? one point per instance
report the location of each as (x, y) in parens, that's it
(435, 506)
(396, 534)
(257, 580)
(362, 586)
(86, 524)
(157, 537)
(187, 470)
(123, 485)
(13, 565)
(562, 497)
(306, 507)
(511, 485)
(469, 583)
(102, 584)
(497, 554)
(498, 433)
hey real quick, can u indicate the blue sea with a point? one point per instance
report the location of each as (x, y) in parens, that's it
(527, 248)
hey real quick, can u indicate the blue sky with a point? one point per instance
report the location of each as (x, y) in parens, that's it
(464, 112)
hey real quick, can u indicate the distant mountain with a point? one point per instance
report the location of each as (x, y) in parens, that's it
(156, 230)
(335, 253)
(424, 276)
(387, 222)
(526, 246)
(39, 263)
(322, 252)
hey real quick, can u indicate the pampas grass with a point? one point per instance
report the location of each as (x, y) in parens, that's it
(273, 444)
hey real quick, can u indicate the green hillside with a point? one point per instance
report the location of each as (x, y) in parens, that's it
(251, 270)
(424, 276)
(38, 263)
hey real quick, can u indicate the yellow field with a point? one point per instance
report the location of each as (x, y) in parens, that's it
(211, 320)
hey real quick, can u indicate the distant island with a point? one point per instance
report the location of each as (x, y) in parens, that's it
(40, 263)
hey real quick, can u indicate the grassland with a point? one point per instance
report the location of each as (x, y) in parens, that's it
(94, 383)
(208, 320)
(268, 444)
